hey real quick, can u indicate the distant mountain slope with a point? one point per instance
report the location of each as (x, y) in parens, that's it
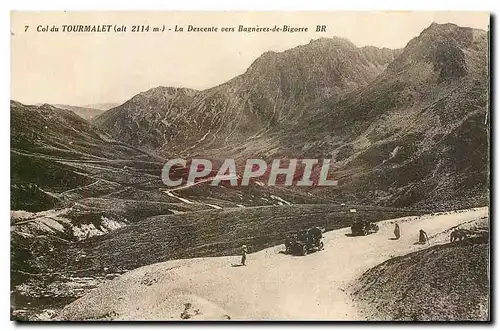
(87, 113)
(273, 92)
(71, 182)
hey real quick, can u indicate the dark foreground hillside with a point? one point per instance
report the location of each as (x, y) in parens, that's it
(443, 283)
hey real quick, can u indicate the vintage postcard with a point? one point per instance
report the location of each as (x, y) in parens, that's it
(250, 166)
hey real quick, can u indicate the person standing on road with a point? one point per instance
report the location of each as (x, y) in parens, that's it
(243, 254)
(397, 232)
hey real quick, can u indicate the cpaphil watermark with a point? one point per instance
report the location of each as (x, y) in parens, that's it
(282, 172)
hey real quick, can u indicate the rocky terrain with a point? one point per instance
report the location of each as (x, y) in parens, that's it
(406, 127)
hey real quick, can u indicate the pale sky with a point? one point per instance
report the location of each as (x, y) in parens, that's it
(86, 68)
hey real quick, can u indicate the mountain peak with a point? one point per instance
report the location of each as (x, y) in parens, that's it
(435, 25)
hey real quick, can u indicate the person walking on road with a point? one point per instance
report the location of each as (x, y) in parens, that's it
(397, 232)
(243, 254)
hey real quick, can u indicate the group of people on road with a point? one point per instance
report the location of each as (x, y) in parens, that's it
(422, 235)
